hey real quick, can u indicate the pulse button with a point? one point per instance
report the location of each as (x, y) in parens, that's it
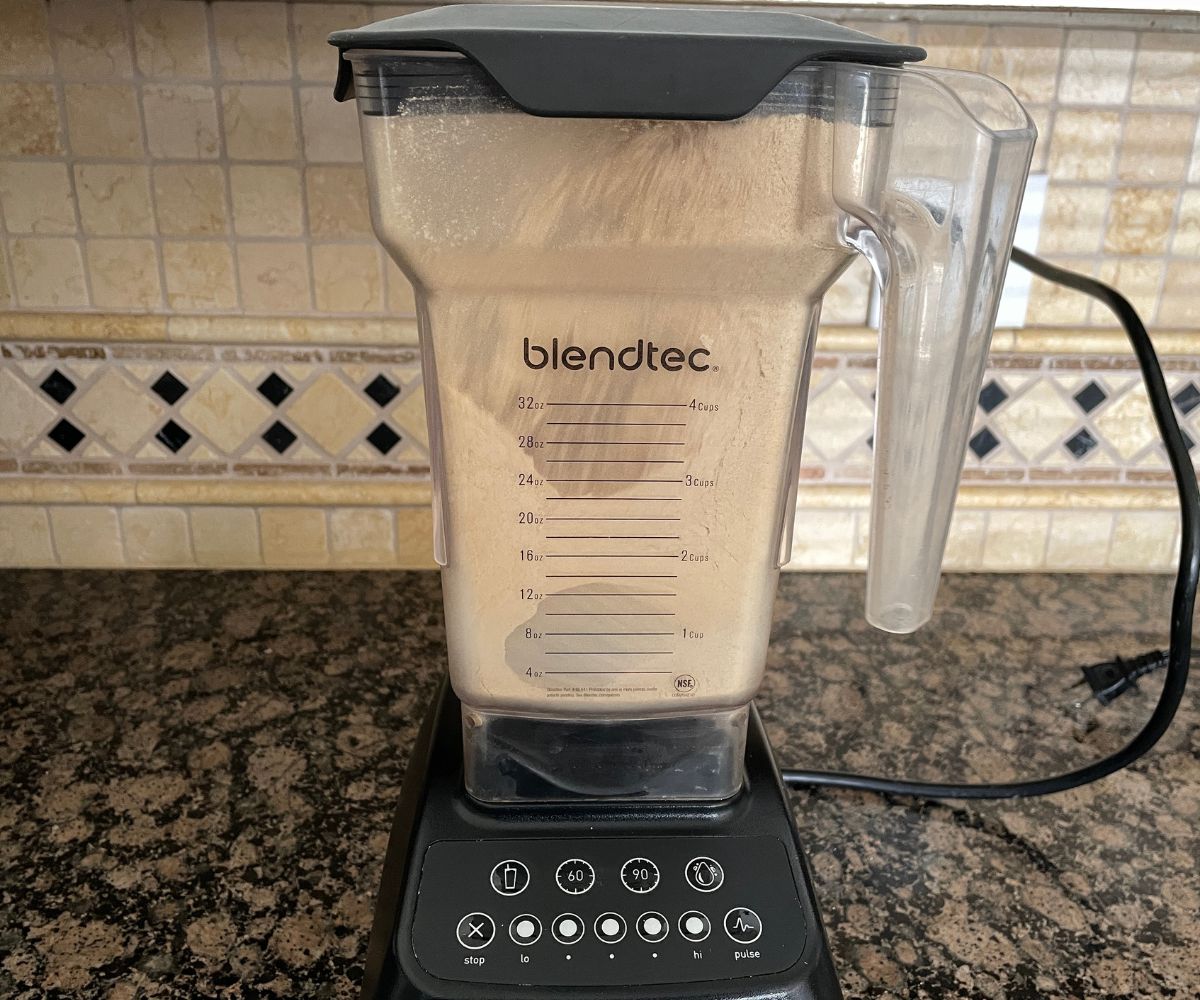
(743, 925)
(704, 874)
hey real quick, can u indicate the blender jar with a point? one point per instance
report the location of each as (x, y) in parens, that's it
(617, 311)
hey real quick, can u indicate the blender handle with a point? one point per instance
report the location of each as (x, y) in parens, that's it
(930, 198)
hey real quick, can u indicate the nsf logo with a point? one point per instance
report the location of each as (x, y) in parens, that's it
(685, 684)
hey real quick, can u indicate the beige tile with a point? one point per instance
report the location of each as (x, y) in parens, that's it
(1037, 420)
(171, 39)
(330, 129)
(24, 536)
(29, 112)
(1026, 59)
(225, 537)
(1156, 146)
(121, 412)
(837, 420)
(331, 412)
(1167, 70)
(25, 39)
(225, 411)
(848, 300)
(953, 46)
(36, 198)
(823, 539)
(199, 275)
(90, 39)
(315, 60)
(103, 120)
(114, 199)
(189, 199)
(1194, 169)
(156, 536)
(1084, 144)
(6, 292)
(293, 536)
(24, 414)
(410, 416)
(1139, 280)
(181, 121)
(1127, 425)
(346, 278)
(124, 274)
(252, 40)
(964, 544)
(1186, 241)
(399, 291)
(274, 277)
(1143, 540)
(414, 538)
(1040, 113)
(337, 201)
(1180, 306)
(1016, 540)
(1096, 67)
(87, 536)
(1073, 219)
(1078, 540)
(47, 271)
(266, 200)
(361, 536)
(260, 122)
(1139, 221)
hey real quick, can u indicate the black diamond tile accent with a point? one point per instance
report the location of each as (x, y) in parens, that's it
(274, 389)
(383, 438)
(1187, 439)
(871, 442)
(1187, 398)
(279, 437)
(66, 435)
(172, 436)
(382, 390)
(169, 388)
(58, 387)
(984, 443)
(1080, 443)
(1090, 396)
(991, 396)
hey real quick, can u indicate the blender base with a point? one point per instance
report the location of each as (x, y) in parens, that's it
(601, 899)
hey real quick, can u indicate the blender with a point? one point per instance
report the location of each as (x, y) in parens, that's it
(619, 222)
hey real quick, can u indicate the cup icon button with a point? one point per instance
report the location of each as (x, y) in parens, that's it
(510, 878)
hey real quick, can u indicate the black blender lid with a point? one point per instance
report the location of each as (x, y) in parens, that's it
(624, 61)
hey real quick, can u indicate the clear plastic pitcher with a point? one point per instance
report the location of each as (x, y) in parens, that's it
(619, 224)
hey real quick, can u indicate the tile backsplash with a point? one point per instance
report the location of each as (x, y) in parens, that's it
(207, 360)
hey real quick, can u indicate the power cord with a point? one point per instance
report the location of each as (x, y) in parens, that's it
(1111, 679)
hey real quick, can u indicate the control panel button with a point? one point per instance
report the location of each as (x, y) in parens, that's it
(694, 925)
(704, 874)
(476, 930)
(575, 876)
(525, 929)
(510, 878)
(639, 875)
(743, 925)
(567, 928)
(610, 927)
(652, 927)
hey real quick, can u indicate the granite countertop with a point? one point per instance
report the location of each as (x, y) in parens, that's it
(199, 771)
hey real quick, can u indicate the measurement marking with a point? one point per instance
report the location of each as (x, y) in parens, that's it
(606, 555)
(586, 403)
(626, 538)
(610, 633)
(610, 614)
(659, 672)
(609, 652)
(613, 593)
(619, 499)
(615, 423)
(614, 519)
(614, 480)
(614, 461)
(669, 444)
(612, 576)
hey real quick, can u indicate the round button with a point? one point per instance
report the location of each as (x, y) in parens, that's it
(575, 876)
(652, 927)
(610, 927)
(525, 929)
(476, 930)
(694, 925)
(510, 878)
(743, 925)
(704, 874)
(567, 928)
(639, 875)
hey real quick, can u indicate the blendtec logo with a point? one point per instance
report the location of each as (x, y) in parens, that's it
(642, 353)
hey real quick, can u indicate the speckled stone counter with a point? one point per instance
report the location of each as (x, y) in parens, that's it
(198, 773)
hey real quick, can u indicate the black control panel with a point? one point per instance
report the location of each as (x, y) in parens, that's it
(607, 911)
